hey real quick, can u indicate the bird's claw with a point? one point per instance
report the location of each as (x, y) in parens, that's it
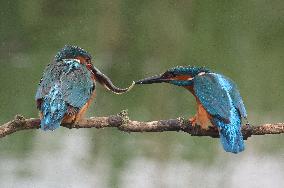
(195, 130)
(212, 128)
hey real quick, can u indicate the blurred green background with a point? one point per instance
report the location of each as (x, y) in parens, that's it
(130, 40)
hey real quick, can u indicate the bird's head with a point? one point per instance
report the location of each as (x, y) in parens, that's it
(85, 58)
(180, 76)
(73, 52)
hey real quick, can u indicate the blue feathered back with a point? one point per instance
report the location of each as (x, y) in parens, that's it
(223, 102)
(64, 83)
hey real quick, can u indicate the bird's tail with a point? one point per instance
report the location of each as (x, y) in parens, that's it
(232, 138)
(53, 109)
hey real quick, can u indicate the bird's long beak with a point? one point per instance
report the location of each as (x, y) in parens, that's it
(152, 79)
(107, 83)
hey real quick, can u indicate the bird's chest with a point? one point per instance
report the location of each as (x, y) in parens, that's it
(203, 118)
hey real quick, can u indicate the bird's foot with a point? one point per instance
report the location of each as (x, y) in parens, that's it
(193, 121)
(212, 128)
(214, 131)
(76, 124)
(195, 128)
(72, 124)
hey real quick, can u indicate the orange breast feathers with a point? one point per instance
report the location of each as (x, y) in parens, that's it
(182, 77)
(202, 117)
(81, 113)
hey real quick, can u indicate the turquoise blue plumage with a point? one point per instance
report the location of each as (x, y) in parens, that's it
(65, 84)
(222, 101)
(67, 87)
(218, 101)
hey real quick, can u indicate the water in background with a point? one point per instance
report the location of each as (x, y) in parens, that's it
(131, 40)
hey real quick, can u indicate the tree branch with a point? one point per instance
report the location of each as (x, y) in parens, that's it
(122, 122)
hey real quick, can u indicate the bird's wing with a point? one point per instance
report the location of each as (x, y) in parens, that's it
(236, 97)
(212, 95)
(50, 76)
(75, 81)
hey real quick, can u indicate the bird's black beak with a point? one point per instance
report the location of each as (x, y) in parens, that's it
(153, 79)
(107, 83)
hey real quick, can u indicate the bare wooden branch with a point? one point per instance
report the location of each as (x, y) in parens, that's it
(122, 122)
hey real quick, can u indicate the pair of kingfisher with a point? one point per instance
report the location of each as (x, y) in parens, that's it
(67, 89)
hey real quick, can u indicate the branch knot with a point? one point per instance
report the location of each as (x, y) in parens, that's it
(19, 117)
(182, 122)
(124, 116)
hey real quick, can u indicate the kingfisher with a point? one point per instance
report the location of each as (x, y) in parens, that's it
(219, 103)
(67, 87)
